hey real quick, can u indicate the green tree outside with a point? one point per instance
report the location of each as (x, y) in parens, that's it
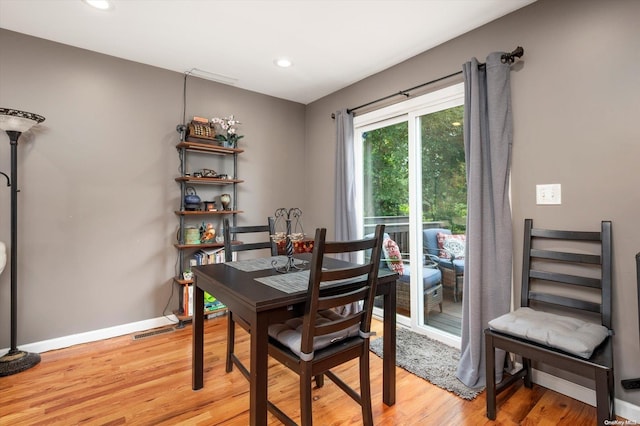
(444, 186)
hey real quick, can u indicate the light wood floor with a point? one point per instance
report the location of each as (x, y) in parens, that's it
(148, 382)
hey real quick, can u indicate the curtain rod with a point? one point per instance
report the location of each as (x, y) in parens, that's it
(507, 57)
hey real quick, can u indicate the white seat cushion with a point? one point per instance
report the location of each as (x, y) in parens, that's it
(569, 334)
(289, 333)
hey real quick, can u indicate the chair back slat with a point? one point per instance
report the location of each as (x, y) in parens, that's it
(332, 247)
(336, 326)
(565, 270)
(341, 299)
(565, 278)
(250, 246)
(566, 235)
(358, 272)
(565, 301)
(567, 257)
(234, 232)
(360, 286)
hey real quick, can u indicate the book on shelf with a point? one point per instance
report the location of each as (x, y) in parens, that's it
(208, 256)
(187, 300)
(212, 305)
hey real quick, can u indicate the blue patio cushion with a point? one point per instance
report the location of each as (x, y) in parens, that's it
(431, 277)
(430, 240)
(457, 264)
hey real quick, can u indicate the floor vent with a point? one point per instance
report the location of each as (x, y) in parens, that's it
(153, 333)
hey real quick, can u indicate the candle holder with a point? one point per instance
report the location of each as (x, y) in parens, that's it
(288, 237)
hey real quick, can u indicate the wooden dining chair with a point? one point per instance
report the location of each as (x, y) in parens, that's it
(231, 245)
(320, 340)
(565, 314)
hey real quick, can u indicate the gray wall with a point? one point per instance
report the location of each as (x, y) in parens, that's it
(97, 178)
(97, 200)
(576, 98)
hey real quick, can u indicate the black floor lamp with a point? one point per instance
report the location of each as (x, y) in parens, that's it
(15, 122)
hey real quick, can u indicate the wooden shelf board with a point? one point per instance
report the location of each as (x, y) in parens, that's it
(205, 213)
(208, 181)
(203, 145)
(198, 246)
(185, 318)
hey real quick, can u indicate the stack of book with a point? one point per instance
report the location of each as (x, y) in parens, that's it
(212, 306)
(208, 256)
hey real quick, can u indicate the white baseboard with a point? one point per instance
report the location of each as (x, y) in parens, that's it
(588, 396)
(95, 335)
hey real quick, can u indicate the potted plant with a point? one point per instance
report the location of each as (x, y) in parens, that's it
(229, 136)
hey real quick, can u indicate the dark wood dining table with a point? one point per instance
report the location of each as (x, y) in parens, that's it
(261, 305)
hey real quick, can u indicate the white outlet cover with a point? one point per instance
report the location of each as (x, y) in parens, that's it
(549, 194)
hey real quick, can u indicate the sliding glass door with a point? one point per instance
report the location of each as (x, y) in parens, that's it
(412, 169)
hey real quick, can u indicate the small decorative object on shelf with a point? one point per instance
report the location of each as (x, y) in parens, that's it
(191, 199)
(207, 233)
(230, 137)
(225, 200)
(288, 237)
(191, 235)
(200, 128)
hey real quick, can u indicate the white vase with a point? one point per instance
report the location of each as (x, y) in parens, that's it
(225, 200)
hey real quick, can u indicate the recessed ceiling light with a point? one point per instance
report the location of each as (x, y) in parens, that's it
(283, 62)
(99, 4)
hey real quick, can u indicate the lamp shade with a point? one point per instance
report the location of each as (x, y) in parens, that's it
(18, 121)
(3, 256)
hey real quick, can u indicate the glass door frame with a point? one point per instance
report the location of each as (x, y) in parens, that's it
(410, 111)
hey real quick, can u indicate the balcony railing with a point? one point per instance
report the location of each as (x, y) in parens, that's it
(398, 228)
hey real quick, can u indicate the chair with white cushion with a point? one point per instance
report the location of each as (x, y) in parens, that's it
(321, 340)
(565, 314)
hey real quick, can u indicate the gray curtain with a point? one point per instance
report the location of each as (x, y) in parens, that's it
(488, 263)
(345, 209)
(345, 192)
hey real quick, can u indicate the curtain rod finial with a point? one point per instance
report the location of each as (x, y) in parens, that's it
(518, 52)
(509, 57)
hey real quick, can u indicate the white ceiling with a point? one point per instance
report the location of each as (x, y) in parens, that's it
(332, 43)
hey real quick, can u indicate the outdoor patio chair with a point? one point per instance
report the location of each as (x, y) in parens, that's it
(447, 250)
(431, 278)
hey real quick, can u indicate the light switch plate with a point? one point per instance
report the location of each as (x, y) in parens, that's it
(549, 194)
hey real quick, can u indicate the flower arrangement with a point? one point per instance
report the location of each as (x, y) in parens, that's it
(229, 135)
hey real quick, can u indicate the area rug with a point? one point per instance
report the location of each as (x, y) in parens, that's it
(429, 359)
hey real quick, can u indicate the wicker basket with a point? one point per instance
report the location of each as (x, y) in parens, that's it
(452, 281)
(432, 297)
